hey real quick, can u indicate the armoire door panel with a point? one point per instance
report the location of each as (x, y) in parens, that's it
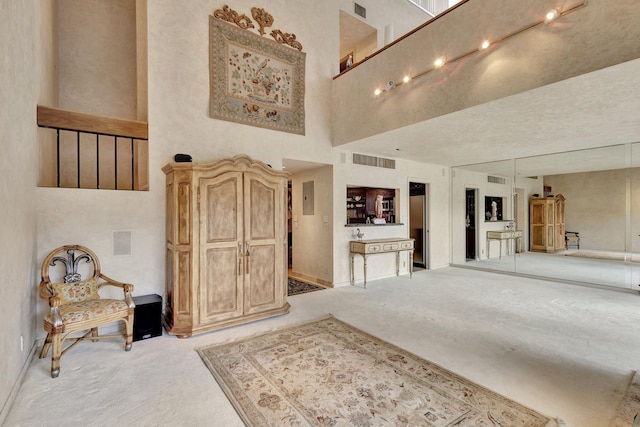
(222, 210)
(260, 290)
(221, 297)
(170, 214)
(181, 287)
(168, 272)
(220, 233)
(537, 239)
(537, 214)
(184, 214)
(261, 209)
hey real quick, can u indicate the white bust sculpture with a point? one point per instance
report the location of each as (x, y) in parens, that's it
(494, 211)
(379, 206)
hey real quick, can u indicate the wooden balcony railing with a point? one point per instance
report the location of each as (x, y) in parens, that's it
(82, 150)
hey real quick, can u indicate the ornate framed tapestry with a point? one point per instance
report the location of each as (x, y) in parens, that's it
(254, 80)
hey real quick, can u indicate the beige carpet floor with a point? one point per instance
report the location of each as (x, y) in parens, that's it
(566, 351)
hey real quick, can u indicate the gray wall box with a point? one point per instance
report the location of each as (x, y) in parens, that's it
(307, 198)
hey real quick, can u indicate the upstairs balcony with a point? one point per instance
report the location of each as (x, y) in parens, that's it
(525, 56)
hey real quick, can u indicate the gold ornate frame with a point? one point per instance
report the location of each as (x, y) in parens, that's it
(254, 80)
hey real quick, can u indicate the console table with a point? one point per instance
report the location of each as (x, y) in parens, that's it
(516, 236)
(380, 246)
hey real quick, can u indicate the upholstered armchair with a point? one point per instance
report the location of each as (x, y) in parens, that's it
(75, 304)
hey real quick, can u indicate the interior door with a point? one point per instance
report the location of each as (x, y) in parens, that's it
(418, 223)
(221, 231)
(470, 224)
(264, 233)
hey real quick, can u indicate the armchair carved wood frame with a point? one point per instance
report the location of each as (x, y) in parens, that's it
(75, 305)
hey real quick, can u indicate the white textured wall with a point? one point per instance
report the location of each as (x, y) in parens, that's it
(346, 173)
(97, 44)
(312, 236)
(19, 71)
(596, 206)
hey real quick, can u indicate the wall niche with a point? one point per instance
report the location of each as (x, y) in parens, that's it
(361, 205)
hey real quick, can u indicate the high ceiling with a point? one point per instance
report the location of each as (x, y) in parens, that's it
(601, 108)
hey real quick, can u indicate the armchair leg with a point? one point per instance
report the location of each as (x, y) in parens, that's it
(56, 351)
(129, 331)
(94, 333)
(45, 346)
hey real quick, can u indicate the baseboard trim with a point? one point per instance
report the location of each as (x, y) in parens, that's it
(16, 386)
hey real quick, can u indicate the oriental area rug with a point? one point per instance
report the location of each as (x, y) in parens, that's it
(296, 287)
(328, 373)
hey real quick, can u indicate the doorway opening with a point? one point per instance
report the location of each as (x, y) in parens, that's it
(471, 224)
(418, 223)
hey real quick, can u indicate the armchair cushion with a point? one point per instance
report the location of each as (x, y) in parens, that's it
(76, 291)
(88, 310)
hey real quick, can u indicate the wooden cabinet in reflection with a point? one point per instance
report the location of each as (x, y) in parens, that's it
(546, 223)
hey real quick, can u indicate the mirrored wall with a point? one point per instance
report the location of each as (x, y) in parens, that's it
(572, 216)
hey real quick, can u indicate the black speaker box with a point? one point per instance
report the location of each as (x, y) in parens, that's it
(147, 317)
(182, 157)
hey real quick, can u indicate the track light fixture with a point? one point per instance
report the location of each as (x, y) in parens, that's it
(550, 16)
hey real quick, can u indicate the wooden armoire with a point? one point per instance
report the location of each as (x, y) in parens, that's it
(225, 244)
(546, 223)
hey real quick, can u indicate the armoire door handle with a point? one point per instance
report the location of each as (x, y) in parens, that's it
(247, 258)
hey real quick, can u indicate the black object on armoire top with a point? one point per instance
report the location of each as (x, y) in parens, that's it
(147, 317)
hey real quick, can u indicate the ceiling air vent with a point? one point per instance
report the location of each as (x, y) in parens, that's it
(496, 179)
(363, 159)
(360, 11)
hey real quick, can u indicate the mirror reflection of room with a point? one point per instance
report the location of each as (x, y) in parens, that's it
(574, 210)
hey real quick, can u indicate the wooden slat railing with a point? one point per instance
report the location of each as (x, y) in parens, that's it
(81, 122)
(92, 151)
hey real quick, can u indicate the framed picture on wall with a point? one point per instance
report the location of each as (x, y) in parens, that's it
(493, 208)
